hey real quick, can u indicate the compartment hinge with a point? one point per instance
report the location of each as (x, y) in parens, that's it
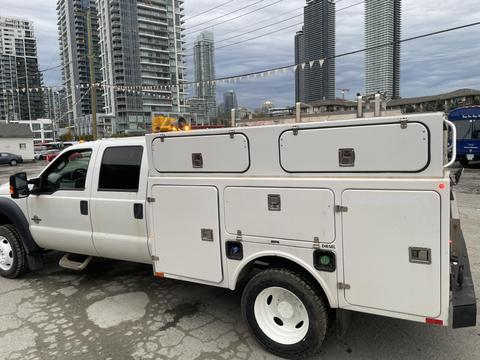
(341, 209)
(232, 134)
(403, 123)
(150, 200)
(343, 286)
(316, 242)
(239, 235)
(295, 130)
(155, 258)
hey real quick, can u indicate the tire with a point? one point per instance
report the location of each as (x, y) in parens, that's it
(13, 258)
(13, 162)
(286, 314)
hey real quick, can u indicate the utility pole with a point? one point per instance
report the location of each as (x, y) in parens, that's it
(91, 63)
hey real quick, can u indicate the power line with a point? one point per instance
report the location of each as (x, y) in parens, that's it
(234, 18)
(271, 32)
(211, 9)
(351, 52)
(227, 14)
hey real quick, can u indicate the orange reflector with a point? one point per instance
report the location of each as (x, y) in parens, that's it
(433, 321)
(160, 275)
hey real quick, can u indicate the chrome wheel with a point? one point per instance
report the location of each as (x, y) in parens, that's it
(13, 162)
(281, 315)
(6, 254)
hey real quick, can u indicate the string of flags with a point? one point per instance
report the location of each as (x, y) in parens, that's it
(156, 90)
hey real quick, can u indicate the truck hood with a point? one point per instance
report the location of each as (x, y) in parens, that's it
(5, 189)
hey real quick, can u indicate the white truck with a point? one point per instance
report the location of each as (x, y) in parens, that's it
(315, 220)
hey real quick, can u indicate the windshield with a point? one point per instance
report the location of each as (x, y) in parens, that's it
(476, 129)
(464, 129)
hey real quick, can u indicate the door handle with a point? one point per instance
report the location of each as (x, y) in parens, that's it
(84, 207)
(138, 211)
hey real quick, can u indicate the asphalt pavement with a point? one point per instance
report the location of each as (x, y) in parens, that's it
(118, 310)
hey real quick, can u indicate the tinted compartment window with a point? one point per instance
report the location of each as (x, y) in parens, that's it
(120, 169)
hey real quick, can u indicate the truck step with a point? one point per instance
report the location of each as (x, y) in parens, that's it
(75, 262)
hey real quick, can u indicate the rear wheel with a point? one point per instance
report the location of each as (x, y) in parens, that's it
(13, 259)
(13, 162)
(286, 314)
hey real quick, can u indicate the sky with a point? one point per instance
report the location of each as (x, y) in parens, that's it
(429, 66)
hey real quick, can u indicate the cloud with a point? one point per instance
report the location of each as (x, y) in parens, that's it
(437, 64)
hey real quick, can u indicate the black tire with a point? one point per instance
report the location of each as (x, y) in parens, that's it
(318, 312)
(13, 162)
(19, 264)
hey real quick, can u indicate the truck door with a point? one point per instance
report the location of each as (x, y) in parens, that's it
(187, 234)
(60, 215)
(118, 204)
(391, 245)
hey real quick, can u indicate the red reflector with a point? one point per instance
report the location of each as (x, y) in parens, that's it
(433, 321)
(441, 186)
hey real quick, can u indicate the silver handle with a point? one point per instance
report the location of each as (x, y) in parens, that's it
(454, 143)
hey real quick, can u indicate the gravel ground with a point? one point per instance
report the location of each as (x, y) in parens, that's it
(117, 310)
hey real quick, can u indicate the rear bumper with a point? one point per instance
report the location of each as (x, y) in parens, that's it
(463, 292)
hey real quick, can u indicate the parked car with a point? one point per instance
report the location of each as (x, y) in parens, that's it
(43, 155)
(51, 155)
(12, 159)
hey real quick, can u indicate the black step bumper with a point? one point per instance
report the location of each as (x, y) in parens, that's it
(463, 291)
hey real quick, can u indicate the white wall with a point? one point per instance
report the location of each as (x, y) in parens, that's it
(12, 145)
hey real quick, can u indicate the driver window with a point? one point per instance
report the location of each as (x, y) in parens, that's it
(69, 172)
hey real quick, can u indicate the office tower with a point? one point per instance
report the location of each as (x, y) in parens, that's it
(143, 61)
(204, 59)
(230, 102)
(300, 73)
(74, 51)
(20, 80)
(317, 42)
(383, 27)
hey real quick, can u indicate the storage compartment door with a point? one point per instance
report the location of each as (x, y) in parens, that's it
(222, 153)
(391, 244)
(186, 228)
(352, 149)
(281, 213)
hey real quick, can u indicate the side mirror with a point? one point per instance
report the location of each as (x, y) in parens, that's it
(19, 186)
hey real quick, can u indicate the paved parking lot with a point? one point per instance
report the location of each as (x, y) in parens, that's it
(117, 310)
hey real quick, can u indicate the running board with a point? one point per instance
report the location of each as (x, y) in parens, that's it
(67, 263)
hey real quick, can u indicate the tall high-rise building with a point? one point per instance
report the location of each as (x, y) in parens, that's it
(143, 61)
(20, 79)
(317, 42)
(52, 104)
(204, 59)
(73, 39)
(383, 27)
(300, 73)
(229, 102)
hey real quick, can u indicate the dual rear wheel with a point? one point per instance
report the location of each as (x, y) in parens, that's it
(287, 315)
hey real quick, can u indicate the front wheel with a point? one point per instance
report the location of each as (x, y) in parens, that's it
(13, 259)
(13, 162)
(285, 313)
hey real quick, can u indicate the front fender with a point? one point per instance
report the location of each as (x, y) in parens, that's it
(14, 213)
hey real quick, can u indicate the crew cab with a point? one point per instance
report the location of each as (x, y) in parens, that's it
(313, 218)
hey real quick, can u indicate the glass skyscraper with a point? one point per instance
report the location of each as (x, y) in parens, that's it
(383, 29)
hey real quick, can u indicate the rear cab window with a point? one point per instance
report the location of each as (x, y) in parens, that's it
(120, 169)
